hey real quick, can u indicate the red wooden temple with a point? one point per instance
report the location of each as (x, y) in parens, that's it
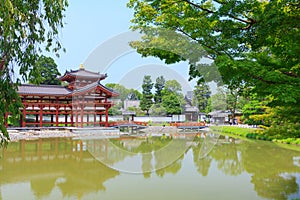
(83, 102)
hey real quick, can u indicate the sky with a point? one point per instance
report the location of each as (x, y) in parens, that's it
(97, 33)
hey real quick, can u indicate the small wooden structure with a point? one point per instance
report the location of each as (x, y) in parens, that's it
(189, 125)
(83, 102)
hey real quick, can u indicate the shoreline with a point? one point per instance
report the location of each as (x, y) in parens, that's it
(31, 134)
(16, 135)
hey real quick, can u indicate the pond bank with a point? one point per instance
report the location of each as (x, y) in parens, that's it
(16, 135)
(249, 133)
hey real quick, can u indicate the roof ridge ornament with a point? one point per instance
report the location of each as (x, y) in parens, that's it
(81, 67)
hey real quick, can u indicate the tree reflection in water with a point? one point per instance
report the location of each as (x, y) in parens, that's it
(72, 167)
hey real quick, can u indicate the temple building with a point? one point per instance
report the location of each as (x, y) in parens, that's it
(84, 101)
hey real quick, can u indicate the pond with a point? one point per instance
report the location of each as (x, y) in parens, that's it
(183, 166)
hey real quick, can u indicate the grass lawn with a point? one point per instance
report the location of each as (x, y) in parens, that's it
(233, 130)
(252, 133)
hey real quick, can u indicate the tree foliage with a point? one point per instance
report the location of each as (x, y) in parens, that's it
(256, 111)
(24, 26)
(172, 98)
(251, 42)
(219, 100)
(134, 95)
(125, 93)
(146, 101)
(201, 95)
(171, 103)
(47, 72)
(159, 86)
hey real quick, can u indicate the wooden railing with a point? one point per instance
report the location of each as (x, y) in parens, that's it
(116, 123)
(177, 124)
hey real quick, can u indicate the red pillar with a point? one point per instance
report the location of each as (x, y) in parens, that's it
(5, 119)
(76, 117)
(94, 113)
(72, 123)
(106, 116)
(23, 118)
(41, 115)
(56, 115)
(81, 116)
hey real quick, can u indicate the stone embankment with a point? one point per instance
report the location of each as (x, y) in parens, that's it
(160, 129)
(16, 135)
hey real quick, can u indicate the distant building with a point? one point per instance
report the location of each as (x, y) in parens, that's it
(192, 112)
(219, 116)
(131, 103)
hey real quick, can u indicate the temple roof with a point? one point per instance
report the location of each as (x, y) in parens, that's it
(54, 90)
(82, 74)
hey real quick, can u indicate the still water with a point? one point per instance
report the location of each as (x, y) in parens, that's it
(181, 167)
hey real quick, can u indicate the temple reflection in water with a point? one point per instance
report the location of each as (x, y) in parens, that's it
(68, 168)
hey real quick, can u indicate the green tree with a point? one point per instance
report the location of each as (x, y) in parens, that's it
(24, 26)
(227, 98)
(121, 89)
(116, 109)
(171, 103)
(234, 99)
(48, 72)
(255, 110)
(157, 110)
(146, 101)
(172, 98)
(138, 111)
(173, 86)
(250, 42)
(201, 95)
(159, 86)
(218, 100)
(134, 95)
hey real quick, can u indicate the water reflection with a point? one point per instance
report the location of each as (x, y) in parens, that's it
(53, 164)
(68, 168)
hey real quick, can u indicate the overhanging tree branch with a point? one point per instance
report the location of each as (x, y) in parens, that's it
(250, 21)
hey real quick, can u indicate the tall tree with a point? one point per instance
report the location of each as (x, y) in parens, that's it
(251, 42)
(24, 26)
(201, 95)
(234, 98)
(48, 72)
(159, 86)
(171, 103)
(172, 98)
(146, 101)
(173, 86)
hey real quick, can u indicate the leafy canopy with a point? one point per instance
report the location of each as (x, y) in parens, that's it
(45, 72)
(251, 43)
(24, 27)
